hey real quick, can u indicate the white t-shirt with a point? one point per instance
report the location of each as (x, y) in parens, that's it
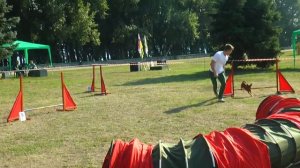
(220, 61)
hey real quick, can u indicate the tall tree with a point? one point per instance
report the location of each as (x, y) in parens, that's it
(262, 39)
(120, 28)
(65, 24)
(250, 25)
(290, 19)
(170, 26)
(204, 9)
(173, 26)
(229, 24)
(7, 29)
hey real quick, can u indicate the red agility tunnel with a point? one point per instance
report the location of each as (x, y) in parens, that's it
(264, 106)
(129, 155)
(275, 104)
(269, 142)
(236, 147)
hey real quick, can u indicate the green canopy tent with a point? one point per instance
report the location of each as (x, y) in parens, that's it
(294, 41)
(25, 46)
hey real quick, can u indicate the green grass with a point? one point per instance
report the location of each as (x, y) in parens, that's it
(150, 105)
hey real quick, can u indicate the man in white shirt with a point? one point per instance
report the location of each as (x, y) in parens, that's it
(217, 70)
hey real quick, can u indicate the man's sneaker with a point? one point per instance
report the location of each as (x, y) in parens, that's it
(221, 100)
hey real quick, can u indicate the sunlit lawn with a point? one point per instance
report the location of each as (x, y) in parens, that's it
(150, 105)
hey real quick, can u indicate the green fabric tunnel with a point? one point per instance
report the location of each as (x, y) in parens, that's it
(184, 154)
(282, 138)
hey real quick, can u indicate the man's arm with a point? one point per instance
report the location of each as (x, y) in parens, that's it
(212, 66)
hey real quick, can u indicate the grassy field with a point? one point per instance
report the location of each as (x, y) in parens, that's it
(150, 105)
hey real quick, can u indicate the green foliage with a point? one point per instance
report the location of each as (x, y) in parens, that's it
(290, 19)
(7, 32)
(59, 21)
(100, 7)
(263, 38)
(204, 9)
(250, 26)
(67, 23)
(228, 25)
(172, 27)
(83, 29)
(120, 26)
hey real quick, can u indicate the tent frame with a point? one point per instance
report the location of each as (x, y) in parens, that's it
(294, 40)
(29, 46)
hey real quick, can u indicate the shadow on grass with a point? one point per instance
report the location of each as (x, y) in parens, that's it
(88, 92)
(204, 103)
(93, 94)
(4, 122)
(173, 78)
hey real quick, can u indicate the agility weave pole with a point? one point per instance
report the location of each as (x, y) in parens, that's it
(282, 85)
(68, 103)
(102, 84)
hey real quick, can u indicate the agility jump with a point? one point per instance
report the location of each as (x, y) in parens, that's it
(92, 87)
(282, 85)
(68, 103)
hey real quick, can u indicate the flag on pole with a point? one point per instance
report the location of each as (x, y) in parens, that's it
(140, 47)
(146, 46)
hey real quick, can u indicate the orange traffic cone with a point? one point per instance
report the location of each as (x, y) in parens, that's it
(93, 81)
(18, 105)
(93, 86)
(229, 86)
(16, 109)
(103, 88)
(68, 102)
(284, 85)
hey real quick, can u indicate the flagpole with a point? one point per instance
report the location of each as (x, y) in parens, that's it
(140, 50)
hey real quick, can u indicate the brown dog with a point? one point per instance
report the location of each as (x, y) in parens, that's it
(247, 87)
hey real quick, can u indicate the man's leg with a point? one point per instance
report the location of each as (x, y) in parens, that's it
(221, 78)
(214, 82)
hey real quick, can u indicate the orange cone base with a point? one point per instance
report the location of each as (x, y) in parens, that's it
(93, 86)
(92, 89)
(102, 94)
(281, 92)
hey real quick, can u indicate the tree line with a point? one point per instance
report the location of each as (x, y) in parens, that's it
(86, 30)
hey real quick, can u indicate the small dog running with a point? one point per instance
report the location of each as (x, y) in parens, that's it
(247, 87)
